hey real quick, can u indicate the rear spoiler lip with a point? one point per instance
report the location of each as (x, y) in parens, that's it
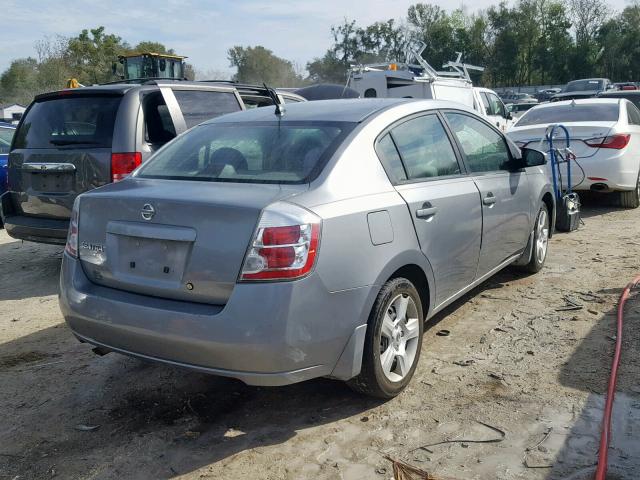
(78, 92)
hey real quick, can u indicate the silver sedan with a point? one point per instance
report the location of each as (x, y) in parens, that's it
(275, 247)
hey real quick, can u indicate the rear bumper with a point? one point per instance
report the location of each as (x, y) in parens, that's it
(33, 229)
(266, 334)
(617, 170)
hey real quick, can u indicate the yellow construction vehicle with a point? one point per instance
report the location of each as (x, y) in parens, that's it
(148, 65)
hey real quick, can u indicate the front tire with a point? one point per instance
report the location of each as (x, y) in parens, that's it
(540, 241)
(631, 198)
(393, 341)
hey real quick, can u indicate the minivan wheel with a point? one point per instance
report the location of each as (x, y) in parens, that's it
(631, 198)
(540, 241)
(393, 341)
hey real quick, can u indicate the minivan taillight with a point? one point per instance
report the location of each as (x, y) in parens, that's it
(617, 142)
(122, 164)
(72, 235)
(284, 246)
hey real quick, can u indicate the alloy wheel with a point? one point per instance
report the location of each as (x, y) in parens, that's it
(399, 337)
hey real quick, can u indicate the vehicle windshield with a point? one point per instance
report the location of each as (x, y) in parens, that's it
(72, 120)
(603, 112)
(6, 134)
(287, 152)
(584, 85)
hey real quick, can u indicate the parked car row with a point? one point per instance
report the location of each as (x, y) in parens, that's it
(278, 245)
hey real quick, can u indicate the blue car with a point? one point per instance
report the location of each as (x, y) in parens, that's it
(6, 135)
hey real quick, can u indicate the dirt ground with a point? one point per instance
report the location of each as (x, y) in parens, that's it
(511, 361)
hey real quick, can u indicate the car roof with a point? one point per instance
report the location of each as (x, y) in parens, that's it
(113, 89)
(353, 110)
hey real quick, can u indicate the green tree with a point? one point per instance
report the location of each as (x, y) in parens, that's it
(152, 47)
(258, 65)
(91, 54)
(19, 83)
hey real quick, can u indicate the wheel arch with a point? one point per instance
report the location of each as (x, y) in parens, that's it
(548, 200)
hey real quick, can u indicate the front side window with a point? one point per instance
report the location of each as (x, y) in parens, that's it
(497, 107)
(485, 150)
(200, 105)
(425, 148)
(485, 102)
(248, 152)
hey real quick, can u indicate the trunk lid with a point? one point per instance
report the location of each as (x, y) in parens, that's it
(577, 133)
(183, 240)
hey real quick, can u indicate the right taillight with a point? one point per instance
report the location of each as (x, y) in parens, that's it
(284, 246)
(617, 142)
(72, 235)
(122, 164)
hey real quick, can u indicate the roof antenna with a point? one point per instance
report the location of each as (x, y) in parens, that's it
(276, 101)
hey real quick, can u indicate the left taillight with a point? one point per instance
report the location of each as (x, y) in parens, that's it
(284, 245)
(122, 164)
(72, 236)
(617, 142)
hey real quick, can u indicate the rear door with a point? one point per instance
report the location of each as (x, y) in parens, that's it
(62, 148)
(506, 204)
(443, 201)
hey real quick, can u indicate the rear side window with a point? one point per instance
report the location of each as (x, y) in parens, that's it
(6, 134)
(248, 152)
(570, 112)
(200, 105)
(633, 114)
(425, 148)
(390, 157)
(83, 121)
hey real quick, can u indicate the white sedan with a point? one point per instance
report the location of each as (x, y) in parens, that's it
(605, 137)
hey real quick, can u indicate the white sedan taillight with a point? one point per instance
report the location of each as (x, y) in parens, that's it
(284, 246)
(72, 236)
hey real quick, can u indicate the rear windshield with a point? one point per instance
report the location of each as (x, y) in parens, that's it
(584, 85)
(608, 112)
(248, 152)
(82, 121)
(6, 134)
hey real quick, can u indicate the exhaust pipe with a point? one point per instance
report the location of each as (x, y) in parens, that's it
(101, 351)
(599, 187)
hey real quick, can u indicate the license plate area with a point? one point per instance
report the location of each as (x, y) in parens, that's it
(140, 260)
(51, 182)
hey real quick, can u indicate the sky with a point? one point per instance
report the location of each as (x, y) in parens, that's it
(298, 30)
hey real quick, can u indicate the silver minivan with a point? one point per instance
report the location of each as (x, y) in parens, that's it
(275, 248)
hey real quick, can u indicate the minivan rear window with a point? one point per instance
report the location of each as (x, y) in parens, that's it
(248, 152)
(604, 112)
(69, 121)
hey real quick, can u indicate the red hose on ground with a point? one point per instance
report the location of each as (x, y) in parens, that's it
(605, 438)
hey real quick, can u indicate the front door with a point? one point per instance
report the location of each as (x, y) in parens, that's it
(443, 200)
(505, 196)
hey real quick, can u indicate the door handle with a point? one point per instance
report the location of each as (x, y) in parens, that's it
(489, 200)
(427, 211)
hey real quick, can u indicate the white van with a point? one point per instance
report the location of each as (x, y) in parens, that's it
(421, 80)
(489, 105)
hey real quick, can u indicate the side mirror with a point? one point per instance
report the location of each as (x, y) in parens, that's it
(533, 158)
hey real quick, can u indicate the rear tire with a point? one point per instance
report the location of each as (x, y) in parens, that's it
(631, 198)
(540, 241)
(393, 341)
